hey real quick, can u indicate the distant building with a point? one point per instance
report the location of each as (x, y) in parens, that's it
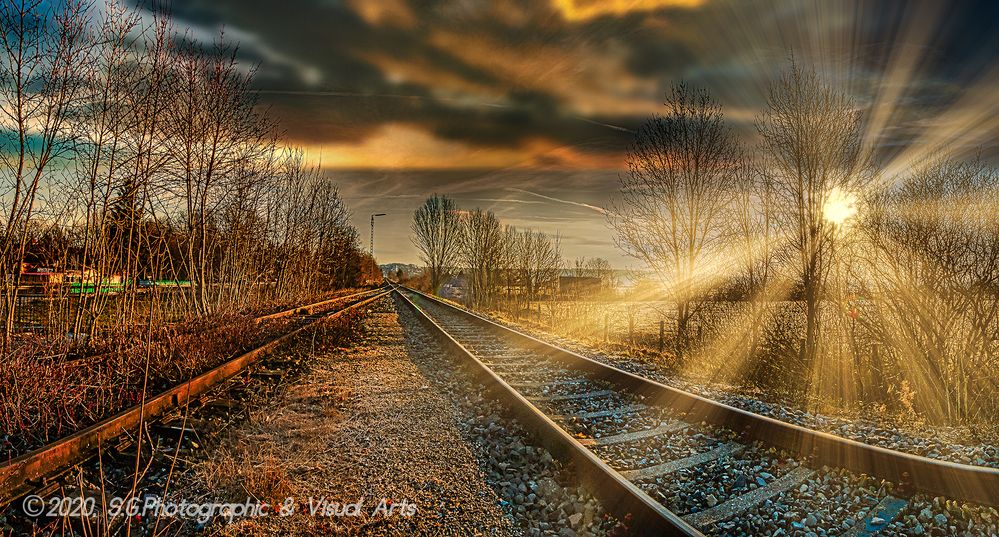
(36, 279)
(455, 288)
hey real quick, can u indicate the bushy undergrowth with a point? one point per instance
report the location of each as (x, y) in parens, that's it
(51, 388)
(857, 371)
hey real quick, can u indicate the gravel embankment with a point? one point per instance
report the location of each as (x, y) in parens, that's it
(364, 424)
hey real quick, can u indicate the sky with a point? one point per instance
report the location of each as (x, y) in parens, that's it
(527, 107)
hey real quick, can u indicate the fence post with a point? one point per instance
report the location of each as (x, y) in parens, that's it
(662, 330)
(631, 328)
(605, 328)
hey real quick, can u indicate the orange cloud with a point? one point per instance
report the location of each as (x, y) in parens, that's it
(589, 79)
(390, 12)
(400, 146)
(582, 10)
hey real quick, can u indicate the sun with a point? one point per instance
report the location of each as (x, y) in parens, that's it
(840, 207)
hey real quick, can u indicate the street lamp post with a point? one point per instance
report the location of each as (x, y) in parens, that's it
(371, 242)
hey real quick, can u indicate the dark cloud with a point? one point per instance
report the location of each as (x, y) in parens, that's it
(337, 72)
(517, 84)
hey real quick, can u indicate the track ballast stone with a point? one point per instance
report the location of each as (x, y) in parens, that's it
(540, 496)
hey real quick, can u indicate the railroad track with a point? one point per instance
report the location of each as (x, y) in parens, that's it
(165, 416)
(679, 464)
(290, 312)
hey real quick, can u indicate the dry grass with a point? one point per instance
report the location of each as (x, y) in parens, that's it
(250, 468)
(857, 373)
(46, 394)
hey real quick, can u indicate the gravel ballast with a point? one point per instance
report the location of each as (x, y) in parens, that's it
(539, 495)
(966, 445)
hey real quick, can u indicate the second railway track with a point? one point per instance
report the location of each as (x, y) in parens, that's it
(675, 463)
(37, 471)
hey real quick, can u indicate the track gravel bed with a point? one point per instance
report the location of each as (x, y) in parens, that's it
(963, 445)
(715, 480)
(539, 496)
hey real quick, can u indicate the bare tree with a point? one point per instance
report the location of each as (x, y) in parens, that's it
(507, 267)
(811, 135)
(596, 267)
(753, 239)
(482, 251)
(538, 261)
(436, 229)
(105, 188)
(215, 131)
(673, 199)
(41, 54)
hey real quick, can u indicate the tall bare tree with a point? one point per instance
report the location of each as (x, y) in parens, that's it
(811, 135)
(215, 130)
(42, 48)
(436, 229)
(482, 251)
(670, 213)
(753, 239)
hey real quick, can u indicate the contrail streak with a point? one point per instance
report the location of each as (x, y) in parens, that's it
(608, 125)
(600, 210)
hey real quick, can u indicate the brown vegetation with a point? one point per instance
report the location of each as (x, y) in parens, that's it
(149, 210)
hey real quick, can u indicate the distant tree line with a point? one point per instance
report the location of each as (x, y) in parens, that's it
(491, 257)
(132, 150)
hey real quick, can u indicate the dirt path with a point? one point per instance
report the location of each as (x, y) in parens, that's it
(362, 426)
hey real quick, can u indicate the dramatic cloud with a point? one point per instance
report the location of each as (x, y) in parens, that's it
(532, 89)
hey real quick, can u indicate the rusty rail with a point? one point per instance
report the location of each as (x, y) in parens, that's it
(17, 475)
(315, 305)
(309, 308)
(966, 482)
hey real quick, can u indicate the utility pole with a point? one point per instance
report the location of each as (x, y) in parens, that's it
(371, 242)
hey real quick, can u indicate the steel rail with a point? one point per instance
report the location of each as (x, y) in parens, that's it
(966, 482)
(309, 308)
(618, 495)
(17, 474)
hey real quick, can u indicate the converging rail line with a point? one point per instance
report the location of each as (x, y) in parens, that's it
(633, 439)
(28, 472)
